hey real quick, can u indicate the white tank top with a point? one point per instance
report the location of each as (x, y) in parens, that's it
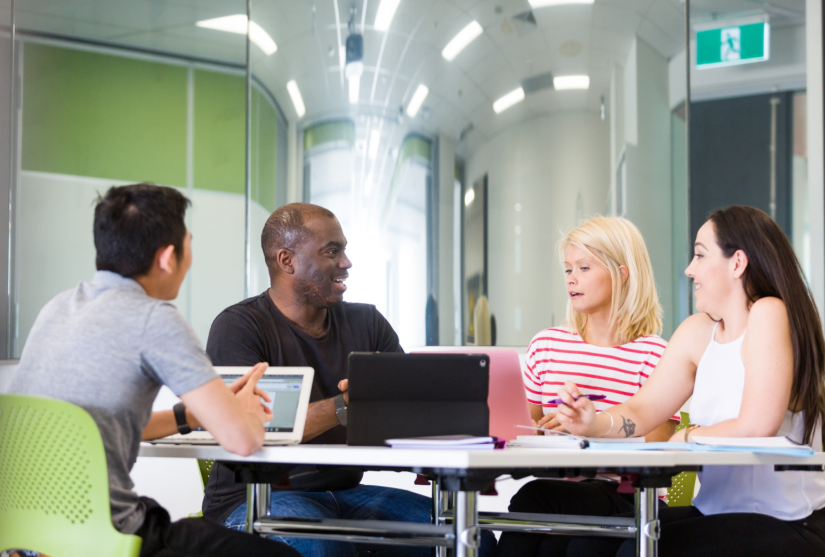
(717, 396)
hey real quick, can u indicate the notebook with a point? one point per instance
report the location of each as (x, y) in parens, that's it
(289, 389)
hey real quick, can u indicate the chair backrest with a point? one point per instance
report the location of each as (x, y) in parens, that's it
(680, 493)
(54, 488)
(205, 467)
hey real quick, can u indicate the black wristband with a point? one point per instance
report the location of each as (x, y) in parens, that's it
(180, 418)
(340, 409)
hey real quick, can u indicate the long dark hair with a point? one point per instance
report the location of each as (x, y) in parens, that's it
(773, 270)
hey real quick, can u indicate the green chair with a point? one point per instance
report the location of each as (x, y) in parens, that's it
(54, 488)
(204, 467)
(680, 493)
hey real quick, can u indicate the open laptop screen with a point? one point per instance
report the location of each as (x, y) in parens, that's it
(285, 392)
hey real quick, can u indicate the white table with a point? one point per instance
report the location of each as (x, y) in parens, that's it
(466, 473)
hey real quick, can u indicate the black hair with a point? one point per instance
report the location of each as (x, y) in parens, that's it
(133, 222)
(285, 229)
(773, 270)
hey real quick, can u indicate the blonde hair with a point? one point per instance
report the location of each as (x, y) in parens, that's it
(635, 310)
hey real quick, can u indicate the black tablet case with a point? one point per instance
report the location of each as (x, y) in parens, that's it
(394, 396)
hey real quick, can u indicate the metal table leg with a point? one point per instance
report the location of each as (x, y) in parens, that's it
(257, 504)
(441, 504)
(648, 528)
(467, 532)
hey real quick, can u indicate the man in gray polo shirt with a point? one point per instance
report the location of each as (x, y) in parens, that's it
(108, 345)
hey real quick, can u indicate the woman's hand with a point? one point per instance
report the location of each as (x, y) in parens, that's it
(549, 421)
(577, 414)
(679, 436)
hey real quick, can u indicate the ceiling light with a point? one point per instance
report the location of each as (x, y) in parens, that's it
(354, 89)
(417, 98)
(544, 3)
(383, 17)
(375, 138)
(460, 41)
(508, 100)
(563, 82)
(469, 197)
(237, 24)
(295, 95)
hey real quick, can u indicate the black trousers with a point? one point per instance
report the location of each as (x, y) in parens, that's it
(198, 536)
(588, 497)
(687, 532)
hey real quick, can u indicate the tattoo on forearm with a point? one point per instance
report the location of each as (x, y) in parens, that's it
(628, 427)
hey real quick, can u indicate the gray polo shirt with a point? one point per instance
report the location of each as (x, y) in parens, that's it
(107, 347)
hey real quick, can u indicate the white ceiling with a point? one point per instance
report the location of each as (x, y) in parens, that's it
(461, 92)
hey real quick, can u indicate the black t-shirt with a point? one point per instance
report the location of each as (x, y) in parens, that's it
(256, 331)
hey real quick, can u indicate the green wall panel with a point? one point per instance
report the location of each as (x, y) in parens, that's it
(219, 131)
(327, 132)
(90, 114)
(264, 144)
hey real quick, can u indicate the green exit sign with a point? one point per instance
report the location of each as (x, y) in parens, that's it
(732, 45)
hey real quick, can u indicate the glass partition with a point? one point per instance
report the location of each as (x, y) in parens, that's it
(389, 114)
(6, 161)
(125, 92)
(545, 106)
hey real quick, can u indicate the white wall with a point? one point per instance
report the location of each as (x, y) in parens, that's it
(543, 164)
(816, 149)
(648, 164)
(446, 184)
(56, 247)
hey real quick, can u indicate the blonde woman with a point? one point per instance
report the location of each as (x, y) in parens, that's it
(609, 346)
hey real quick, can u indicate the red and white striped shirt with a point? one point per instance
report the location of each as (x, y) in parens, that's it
(559, 354)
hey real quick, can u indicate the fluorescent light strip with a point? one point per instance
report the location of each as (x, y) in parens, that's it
(375, 138)
(237, 24)
(469, 197)
(508, 100)
(417, 99)
(563, 82)
(544, 3)
(354, 89)
(383, 17)
(460, 41)
(297, 100)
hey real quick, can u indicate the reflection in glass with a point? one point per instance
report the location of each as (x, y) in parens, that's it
(375, 179)
(119, 93)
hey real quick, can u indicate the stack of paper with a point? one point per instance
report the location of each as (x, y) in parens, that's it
(766, 445)
(463, 442)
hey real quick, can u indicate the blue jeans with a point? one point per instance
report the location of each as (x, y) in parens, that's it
(364, 502)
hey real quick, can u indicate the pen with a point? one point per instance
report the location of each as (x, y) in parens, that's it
(591, 397)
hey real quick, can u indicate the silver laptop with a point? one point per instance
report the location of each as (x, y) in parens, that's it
(289, 389)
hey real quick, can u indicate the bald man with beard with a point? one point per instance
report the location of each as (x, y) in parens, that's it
(302, 320)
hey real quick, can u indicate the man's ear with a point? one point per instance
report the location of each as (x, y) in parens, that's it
(164, 257)
(284, 259)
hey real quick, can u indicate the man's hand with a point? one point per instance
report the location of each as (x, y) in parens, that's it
(249, 395)
(343, 385)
